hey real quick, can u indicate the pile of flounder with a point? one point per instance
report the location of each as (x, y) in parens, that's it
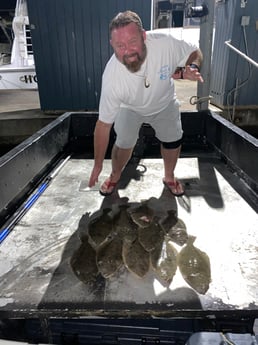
(136, 238)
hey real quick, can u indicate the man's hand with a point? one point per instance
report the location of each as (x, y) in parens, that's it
(192, 73)
(94, 177)
(187, 72)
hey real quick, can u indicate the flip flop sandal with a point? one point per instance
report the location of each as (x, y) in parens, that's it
(108, 185)
(174, 185)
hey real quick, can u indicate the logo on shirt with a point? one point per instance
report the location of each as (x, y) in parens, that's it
(164, 72)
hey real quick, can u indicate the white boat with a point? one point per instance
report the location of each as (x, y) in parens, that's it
(17, 71)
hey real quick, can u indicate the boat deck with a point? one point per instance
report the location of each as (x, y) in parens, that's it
(218, 208)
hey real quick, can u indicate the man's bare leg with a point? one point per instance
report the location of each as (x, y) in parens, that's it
(120, 158)
(170, 157)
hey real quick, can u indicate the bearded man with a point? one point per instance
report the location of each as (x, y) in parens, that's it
(137, 88)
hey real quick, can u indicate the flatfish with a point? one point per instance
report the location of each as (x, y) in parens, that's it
(175, 228)
(136, 258)
(83, 263)
(151, 235)
(194, 266)
(169, 221)
(123, 225)
(164, 261)
(100, 229)
(142, 215)
(109, 257)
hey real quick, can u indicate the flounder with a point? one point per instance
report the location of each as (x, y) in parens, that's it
(83, 263)
(123, 226)
(175, 228)
(136, 258)
(142, 215)
(109, 257)
(151, 235)
(164, 261)
(100, 229)
(194, 266)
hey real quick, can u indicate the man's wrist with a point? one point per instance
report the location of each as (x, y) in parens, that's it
(193, 65)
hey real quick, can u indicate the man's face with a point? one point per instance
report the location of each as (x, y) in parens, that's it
(129, 46)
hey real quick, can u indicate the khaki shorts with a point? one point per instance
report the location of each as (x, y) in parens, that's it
(166, 124)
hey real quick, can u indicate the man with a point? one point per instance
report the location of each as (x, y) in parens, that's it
(137, 88)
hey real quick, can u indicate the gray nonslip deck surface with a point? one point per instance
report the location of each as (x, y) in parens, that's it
(35, 272)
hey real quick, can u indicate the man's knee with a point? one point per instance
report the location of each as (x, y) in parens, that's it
(125, 142)
(172, 144)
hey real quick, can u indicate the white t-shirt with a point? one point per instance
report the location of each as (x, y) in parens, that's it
(122, 88)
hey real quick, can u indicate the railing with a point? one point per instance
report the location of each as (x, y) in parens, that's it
(242, 54)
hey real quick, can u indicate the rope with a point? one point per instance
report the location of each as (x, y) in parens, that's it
(195, 100)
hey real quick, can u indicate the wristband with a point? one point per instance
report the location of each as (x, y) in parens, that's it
(182, 69)
(193, 65)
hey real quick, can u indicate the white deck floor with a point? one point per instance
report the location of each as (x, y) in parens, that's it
(35, 267)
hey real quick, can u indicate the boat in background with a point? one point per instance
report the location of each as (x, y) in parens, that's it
(17, 67)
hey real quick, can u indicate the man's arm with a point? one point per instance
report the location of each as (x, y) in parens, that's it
(101, 140)
(195, 58)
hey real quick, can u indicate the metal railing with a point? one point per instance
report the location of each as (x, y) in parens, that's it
(242, 54)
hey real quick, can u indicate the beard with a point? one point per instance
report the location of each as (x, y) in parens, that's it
(135, 65)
